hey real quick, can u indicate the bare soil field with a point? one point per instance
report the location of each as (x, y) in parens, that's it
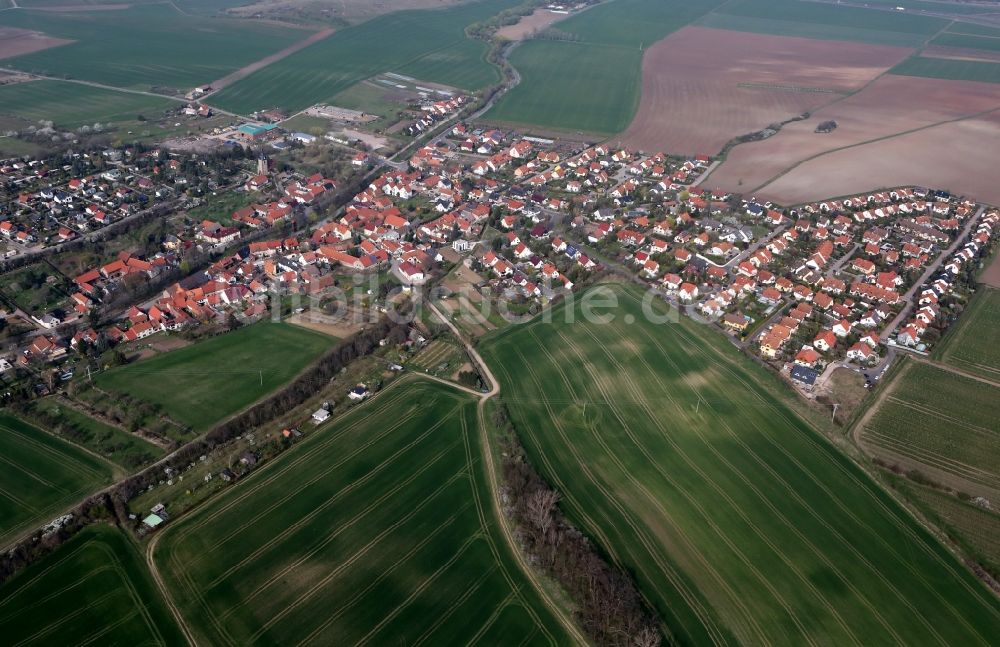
(959, 156)
(16, 42)
(891, 105)
(991, 275)
(335, 326)
(537, 21)
(701, 87)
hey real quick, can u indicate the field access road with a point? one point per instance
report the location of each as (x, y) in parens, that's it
(164, 592)
(494, 483)
(960, 238)
(113, 88)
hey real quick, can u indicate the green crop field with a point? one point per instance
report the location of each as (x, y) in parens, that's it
(117, 445)
(95, 589)
(429, 45)
(71, 105)
(976, 30)
(825, 21)
(739, 521)
(989, 43)
(973, 344)
(949, 68)
(375, 530)
(592, 83)
(40, 476)
(572, 86)
(202, 384)
(144, 46)
(946, 424)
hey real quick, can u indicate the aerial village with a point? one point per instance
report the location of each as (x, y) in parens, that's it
(832, 283)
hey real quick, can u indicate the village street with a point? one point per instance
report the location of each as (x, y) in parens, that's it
(907, 298)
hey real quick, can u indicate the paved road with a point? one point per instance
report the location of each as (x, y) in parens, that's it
(960, 239)
(833, 269)
(445, 126)
(749, 251)
(90, 236)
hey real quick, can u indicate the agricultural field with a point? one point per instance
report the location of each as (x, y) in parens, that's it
(973, 29)
(147, 46)
(943, 424)
(441, 358)
(130, 451)
(973, 344)
(899, 160)
(71, 105)
(696, 97)
(572, 86)
(967, 42)
(374, 529)
(739, 521)
(429, 45)
(591, 81)
(942, 6)
(202, 384)
(41, 475)
(950, 68)
(975, 527)
(93, 589)
(825, 21)
(874, 115)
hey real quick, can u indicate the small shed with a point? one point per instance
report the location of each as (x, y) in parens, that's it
(152, 521)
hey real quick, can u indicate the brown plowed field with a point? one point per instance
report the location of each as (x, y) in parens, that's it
(17, 42)
(702, 87)
(991, 276)
(889, 106)
(960, 156)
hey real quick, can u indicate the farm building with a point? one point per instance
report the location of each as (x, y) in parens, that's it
(255, 133)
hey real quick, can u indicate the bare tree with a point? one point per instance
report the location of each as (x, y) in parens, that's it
(647, 637)
(540, 506)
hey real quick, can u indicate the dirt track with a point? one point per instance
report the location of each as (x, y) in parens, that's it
(246, 71)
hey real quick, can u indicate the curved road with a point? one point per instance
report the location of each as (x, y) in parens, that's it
(494, 482)
(164, 592)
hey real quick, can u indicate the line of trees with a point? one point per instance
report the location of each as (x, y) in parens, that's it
(112, 505)
(298, 391)
(609, 607)
(104, 442)
(96, 509)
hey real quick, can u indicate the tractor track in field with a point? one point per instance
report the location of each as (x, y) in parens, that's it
(165, 592)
